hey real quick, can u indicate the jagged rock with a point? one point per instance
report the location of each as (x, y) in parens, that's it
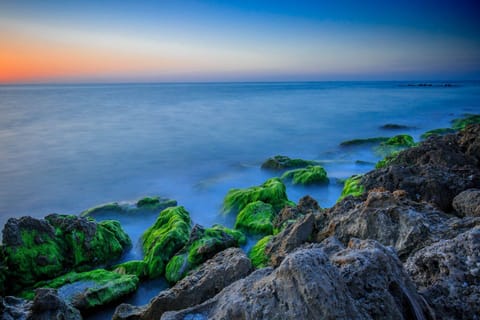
(305, 206)
(364, 281)
(447, 274)
(392, 219)
(46, 305)
(467, 203)
(41, 249)
(292, 237)
(223, 269)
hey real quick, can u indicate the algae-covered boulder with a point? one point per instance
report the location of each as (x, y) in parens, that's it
(401, 140)
(273, 191)
(283, 162)
(41, 249)
(135, 267)
(203, 244)
(90, 289)
(307, 176)
(257, 218)
(168, 235)
(462, 123)
(154, 203)
(437, 132)
(257, 254)
(360, 142)
(352, 187)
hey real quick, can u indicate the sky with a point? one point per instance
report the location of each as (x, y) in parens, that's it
(214, 40)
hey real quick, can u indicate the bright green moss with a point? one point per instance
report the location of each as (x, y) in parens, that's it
(167, 236)
(203, 245)
(401, 140)
(352, 187)
(273, 191)
(257, 218)
(367, 141)
(134, 267)
(257, 253)
(437, 132)
(306, 176)
(101, 287)
(385, 162)
(461, 123)
(283, 162)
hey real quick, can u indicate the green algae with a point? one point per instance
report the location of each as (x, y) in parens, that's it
(437, 132)
(133, 267)
(203, 245)
(401, 140)
(352, 187)
(167, 236)
(257, 253)
(273, 191)
(307, 176)
(112, 207)
(461, 123)
(256, 218)
(385, 162)
(103, 287)
(280, 162)
(366, 141)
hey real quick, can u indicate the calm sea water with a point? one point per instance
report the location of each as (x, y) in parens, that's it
(67, 148)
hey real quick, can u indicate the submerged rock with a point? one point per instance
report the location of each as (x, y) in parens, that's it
(306, 176)
(167, 236)
(447, 274)
(394, 126)
(203, 244)
(273, 191)
(155, 203)
(366, 141)
(41, 249)
(201, 284)
(283, 162)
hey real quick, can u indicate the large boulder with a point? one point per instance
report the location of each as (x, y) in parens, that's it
(306, 176)
(256, 218)
(41, 249)
(467, 203)
(364, 281)
(447, 274)
(205, 282)
(288, 214)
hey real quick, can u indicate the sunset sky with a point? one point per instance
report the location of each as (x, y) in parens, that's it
(128, 41)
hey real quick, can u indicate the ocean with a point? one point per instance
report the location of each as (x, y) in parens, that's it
(65, 148)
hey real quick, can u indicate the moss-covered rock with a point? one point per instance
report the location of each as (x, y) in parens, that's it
(352, 187)
(155, 204)
(41, 249)
(256, 218)
(134, 267)
(385, 162)
(395, 126)
(401, 140)
(202, 245)
(273, 191)
(283, 162)
(366, 141)
(307, 176)
(3, 272)
(437, 132)
(461, 123)
(257, 253)
(90, 289)
(166, 237)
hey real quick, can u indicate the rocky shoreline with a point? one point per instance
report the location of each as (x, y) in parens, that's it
(403, 242)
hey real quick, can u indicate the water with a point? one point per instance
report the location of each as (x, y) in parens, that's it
(65, 148)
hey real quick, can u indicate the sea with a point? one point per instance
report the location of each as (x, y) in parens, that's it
(67, 147)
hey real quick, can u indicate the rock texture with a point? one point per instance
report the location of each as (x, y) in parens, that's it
(225, 268)
(467, 203)
(447, 273)
(365, 281)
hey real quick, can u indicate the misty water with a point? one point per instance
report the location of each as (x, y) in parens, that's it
(65, 148)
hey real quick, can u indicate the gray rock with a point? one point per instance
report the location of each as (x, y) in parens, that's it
(215, 274)
(467, 203)
(447, 273)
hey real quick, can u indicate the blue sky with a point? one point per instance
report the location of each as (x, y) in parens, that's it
(238, 40)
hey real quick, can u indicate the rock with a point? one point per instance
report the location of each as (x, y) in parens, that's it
(283, 162)
(401, 140)
(364, 281)
(205, 282)
(256, 218)
(392, 219)
(468, 119)
(467, 203)
(367, 141)
(306, 176)
(257, 254)
(289, 239)
(138, 268)
(273, 191)
(469, 141)
(394, 126)
(166, 237)
(37, 249)
(288, 214)
(202, 245)
(45, 306)
(91, 289)
(447, 274)
(352, 187)
(437, 132)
